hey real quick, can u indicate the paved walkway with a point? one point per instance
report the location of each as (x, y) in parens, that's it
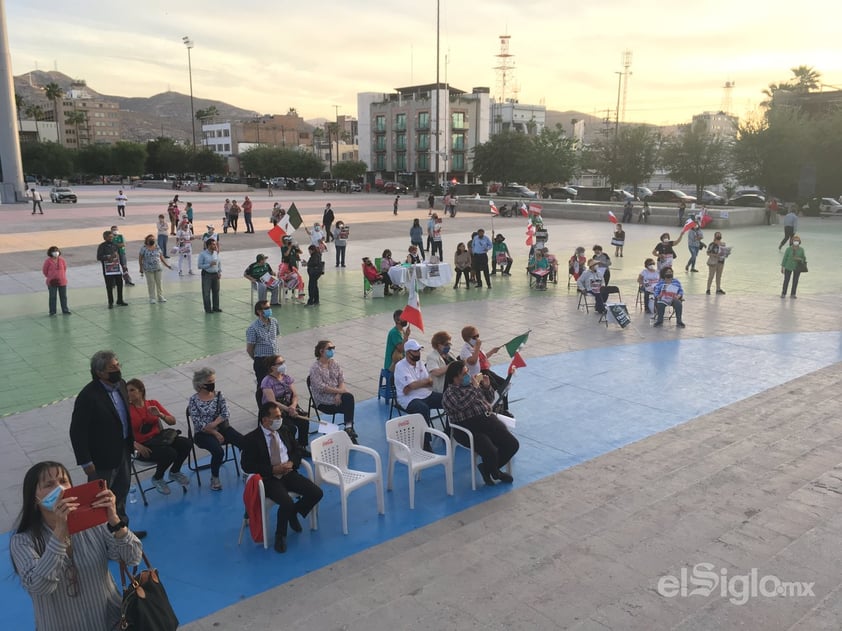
(745, 478)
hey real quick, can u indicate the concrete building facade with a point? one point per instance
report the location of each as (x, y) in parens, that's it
(84, 119)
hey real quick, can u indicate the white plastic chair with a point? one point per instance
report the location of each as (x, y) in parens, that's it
(266, 504)
(330, 458)
(471, 448)
(405, 435)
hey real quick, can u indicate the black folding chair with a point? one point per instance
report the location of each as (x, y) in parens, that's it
(193, 458)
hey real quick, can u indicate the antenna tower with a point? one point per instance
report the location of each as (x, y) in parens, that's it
(505, 68)
(627, 62)
(727, 96)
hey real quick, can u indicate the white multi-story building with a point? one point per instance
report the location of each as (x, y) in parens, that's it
(719, 124)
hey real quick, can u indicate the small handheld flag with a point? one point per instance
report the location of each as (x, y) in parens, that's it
(517, 362)
(412, 311)
(277, 234)
(516, 343)
(493, 208)
(612, 217)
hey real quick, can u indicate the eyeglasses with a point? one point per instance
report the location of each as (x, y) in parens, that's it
(71, 576)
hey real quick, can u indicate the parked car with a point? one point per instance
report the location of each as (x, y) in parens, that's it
(640, 193)
(748, 191)
(517, 190)
(751, 200)
(710, 198)
(827, 206)
(356, 187)
(61, 194)
(560, 192)
(670, 195)
(394, 187)
(621, 196)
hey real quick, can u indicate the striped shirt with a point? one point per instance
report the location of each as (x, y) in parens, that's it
(43, 574)
(264, 336)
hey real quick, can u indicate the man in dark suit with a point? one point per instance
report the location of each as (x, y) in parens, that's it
(275, 456)
(101, 429)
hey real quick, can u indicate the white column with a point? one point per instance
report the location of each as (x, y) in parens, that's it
(11, 189)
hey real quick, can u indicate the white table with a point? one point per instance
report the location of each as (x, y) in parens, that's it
(425, 274)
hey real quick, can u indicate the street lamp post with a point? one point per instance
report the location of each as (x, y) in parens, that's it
(189, 44)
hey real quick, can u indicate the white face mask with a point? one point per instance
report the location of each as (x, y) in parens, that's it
(652, 268)
(472, 342)
(276, 424)
(55, 254)
(282, 369)
(796, 243)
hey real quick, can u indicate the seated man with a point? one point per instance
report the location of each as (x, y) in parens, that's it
(414, 384)
(501, 256)
(274, 455)
(375, 277)
(668, 291)
(591, 282)
(260, 274)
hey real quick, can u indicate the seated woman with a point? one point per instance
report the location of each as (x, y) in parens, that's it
(646, 280)
(438, 361)
(386, 263)
(412, 256)
(539, 269)
(67, 576)
(467, 402)
(277, 387)
(292, 279)
(165, 449)
(500, 256)
(668, 292)
(374, 277)
(592, 283)
(462, 265)
(327, 384)
(577, 264)
(208, 412)
(553, 261)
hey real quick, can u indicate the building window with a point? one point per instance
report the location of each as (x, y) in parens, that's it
(400, 122)
(423, 120)
(227, 147)
(400, 161)
(380, 162)
(400, 142)
(457, 142)
(380, 143)
(226, 133)
(380, 123)
(423, 162)
(423, 142)
(457, 120)
(458, 163)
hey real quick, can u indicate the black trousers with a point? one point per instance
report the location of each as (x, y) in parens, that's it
(115, 280)
(313, 289)
(467, 274)
(166, 455)
(210, 291)
(480, 265)
(492, 440)
(345, 408)
(118, 481)
(278, 490)
(789, 231)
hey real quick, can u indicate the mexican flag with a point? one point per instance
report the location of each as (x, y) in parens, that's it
(412, 311)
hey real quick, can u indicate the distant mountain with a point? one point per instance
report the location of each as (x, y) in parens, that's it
(142, 119)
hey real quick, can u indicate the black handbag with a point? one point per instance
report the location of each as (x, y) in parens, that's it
(163, 438)
(146, 606)
(801, 268)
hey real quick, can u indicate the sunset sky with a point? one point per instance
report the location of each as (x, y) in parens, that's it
(272, 55)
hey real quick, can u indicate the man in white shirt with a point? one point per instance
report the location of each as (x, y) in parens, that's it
(413, 383)
(121, 200)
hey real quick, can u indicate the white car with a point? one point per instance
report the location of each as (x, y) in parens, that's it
(829, 206)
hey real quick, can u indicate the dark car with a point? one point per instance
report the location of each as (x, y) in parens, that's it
(518, 191)
(561, 192)
(61, 194)
(712, 199)
(671, 195)
(394, 187)
(752, 200)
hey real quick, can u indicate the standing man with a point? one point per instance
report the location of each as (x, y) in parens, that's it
(109, 256)
(394, 206)
(398, 334)
(414, 385)
(271, 452)
(480, 245)
(247, 210)
(36, 201)
(431, 203)
(790, 226)
(262, 342)
(101, 430)
(327, 221)
(211, 268)
(121, 200)
(682, 208)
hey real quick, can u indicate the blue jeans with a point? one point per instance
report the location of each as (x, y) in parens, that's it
(208, 442)
(162, 244)
(423, 406)
(694, 252)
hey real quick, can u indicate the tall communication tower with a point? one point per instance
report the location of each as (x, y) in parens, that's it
(505, 69)
(727, 89)
(627, 61)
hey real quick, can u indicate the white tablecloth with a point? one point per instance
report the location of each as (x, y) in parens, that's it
(426, 275)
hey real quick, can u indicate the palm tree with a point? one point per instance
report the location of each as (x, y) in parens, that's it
(75, 118)
(36, 113)
(53, 92)
(20, 103)
(806, 79)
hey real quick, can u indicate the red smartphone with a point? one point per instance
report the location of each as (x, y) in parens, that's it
(86, 516)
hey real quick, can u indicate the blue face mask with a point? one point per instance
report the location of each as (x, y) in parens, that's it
(329, 353)
(445, 349)
(267, 313)
(466, 379)
(50, 499)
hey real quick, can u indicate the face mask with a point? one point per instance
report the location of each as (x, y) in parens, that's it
(445, 349)
(414, 356)
(796, 243)
(664, 240)
(667, 277)
(210, 387)
(329, 353)
(472, 342)
(150, 243)
(652, 268)
(267, 313)
(281, 369)
(55, 254)
(466, 379)
(115, 376)
(50, 499)
(276, 424)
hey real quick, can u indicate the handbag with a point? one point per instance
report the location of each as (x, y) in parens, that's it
(146, 606)
(801, 268)
(164, 437)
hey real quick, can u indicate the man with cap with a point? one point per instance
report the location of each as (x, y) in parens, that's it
(257, 272)
(413, 383)
(210, 234)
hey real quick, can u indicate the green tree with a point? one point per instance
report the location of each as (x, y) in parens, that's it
(205, 162)
(128, 159)
(267, 161)
(305, 164)
(506, 157)
(695, 156)
(552, 157)
(47, 159)
(53, 93)
(349, 169)
(805, 79)
(94, 160)
(164, 156)
(75, 118)
(20, 103)
(207, 114)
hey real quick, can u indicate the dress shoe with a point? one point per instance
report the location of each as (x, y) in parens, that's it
(486, 476)
(294, 523)
(720, 292)
(680, 325)
(123, 304)
(217, 310)
(502, 476)
(280, 544)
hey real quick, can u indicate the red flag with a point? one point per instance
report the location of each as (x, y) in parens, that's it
(530, 234)
(688, 225)
(276, 234)
(517, 362)
(523, 210)
(412, 311)
(706, 219)
(612, 217)
(493, 208)
(535, 209)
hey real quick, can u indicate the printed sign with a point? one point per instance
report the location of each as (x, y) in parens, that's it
(619, 314)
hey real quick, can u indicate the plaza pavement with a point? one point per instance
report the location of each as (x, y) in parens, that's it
(751, 484)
